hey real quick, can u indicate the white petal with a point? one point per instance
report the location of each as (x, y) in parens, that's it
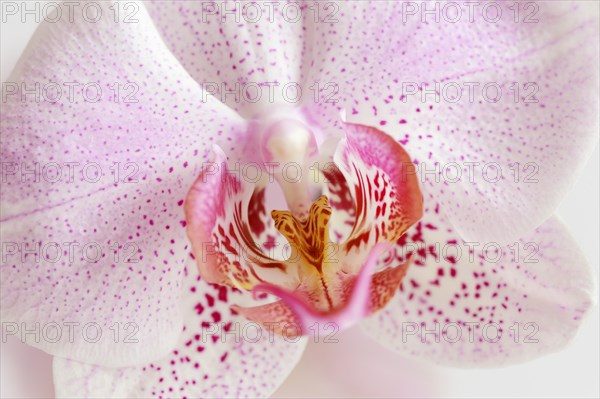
(218, 355)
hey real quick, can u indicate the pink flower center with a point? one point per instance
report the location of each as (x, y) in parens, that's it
(320, 256)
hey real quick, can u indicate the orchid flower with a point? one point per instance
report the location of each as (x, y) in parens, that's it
(362, 225)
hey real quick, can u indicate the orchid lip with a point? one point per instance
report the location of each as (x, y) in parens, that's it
(343, 317)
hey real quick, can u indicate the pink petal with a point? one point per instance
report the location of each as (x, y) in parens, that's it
(243, 57)
(522, 301)
(221, 211)
(538, 145)
(341, 201)
(386, 193)
(218, 355)
(157, 143)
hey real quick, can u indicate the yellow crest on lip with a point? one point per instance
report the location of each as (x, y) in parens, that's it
(309, 235)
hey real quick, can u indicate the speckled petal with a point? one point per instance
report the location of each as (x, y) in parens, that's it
(244, 53)
(103, 245)
(472, 304)
(341, 200)
(222, 217)
(219, 355)
(403, 76)
(381, 178)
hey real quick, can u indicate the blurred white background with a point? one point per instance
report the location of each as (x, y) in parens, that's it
(357, 367)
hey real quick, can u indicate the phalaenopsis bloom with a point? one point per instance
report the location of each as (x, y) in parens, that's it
(247, 174)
